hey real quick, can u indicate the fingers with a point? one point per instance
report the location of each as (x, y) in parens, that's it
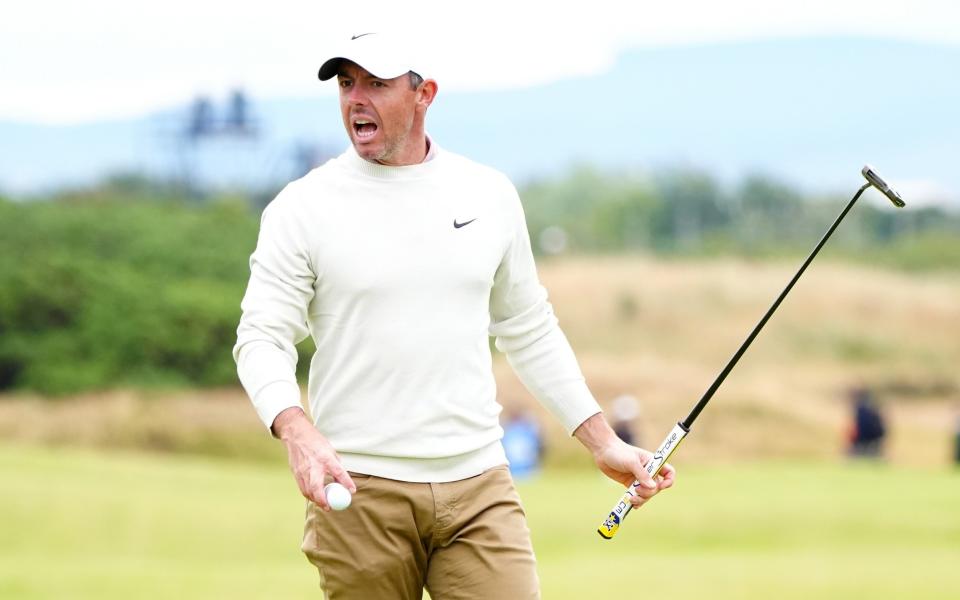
(341, 476)
(667, 475)
(627, 465)
(311, 471)
(645, 481)
(642, 495)
(643, 477)
(325, 469)
(310, 481)
(312, 459)
(649, 486)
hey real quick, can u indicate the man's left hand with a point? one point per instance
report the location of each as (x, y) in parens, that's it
(622, 462)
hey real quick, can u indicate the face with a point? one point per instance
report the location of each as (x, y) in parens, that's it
(384, 117)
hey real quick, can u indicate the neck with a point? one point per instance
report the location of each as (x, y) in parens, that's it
(393, 171)
(416, 157)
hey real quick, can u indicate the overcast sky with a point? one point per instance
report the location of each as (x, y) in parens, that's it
(66, 61)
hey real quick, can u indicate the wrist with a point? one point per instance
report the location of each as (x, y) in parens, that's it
(288, 422)
(595, 434)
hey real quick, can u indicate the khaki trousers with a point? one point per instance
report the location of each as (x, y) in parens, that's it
(464, 540)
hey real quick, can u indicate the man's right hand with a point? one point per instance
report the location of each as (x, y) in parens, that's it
(311, 456)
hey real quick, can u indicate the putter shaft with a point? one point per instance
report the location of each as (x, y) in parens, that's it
(669, 445)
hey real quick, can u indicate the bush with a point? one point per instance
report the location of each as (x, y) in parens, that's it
(99, 293)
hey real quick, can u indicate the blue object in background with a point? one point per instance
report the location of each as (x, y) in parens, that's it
(523, 444)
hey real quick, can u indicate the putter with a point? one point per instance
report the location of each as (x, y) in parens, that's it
(669, 445)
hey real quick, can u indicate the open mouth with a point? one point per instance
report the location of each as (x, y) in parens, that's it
(364, 129)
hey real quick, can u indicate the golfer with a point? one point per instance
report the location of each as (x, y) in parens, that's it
(400, 258)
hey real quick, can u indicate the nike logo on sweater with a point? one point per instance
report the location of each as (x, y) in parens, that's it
(464, 224)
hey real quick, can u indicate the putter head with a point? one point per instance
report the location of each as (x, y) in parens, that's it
(876, 181)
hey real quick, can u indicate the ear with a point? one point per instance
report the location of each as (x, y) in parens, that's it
(426, 93)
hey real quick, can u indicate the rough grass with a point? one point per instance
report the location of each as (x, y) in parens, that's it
(660, 330)
(91, 524)
(210, 422)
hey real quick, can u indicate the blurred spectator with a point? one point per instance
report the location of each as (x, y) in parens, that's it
(867, 431)
(956, 441)
(523, 444)
(625, 410)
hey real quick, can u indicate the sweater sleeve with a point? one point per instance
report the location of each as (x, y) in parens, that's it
(274, 313)
(527, 331)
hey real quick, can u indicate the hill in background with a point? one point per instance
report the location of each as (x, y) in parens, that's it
(808, 111)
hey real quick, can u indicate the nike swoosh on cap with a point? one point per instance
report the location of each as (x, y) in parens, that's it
(465, 223)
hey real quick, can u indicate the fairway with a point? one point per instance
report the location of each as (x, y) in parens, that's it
(86, 524)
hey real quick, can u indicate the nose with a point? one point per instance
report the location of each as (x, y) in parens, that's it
(355, 95)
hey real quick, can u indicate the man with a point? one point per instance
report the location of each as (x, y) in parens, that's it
(956, 440)
(400, 258)
(868, 428)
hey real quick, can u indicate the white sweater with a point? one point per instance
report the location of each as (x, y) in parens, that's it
(400, 274)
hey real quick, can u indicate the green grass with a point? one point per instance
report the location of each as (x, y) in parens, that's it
(84, 524)
(781, 530)
(81, 524)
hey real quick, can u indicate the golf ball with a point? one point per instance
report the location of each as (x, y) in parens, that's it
(338, 497)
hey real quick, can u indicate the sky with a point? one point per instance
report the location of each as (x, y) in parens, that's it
(72, 62)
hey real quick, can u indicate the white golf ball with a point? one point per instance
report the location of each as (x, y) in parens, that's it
(338, 497)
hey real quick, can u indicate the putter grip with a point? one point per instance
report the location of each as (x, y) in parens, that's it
(609, 527)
